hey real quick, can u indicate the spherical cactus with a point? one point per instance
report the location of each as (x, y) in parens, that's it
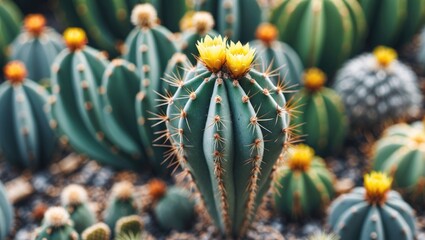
(129, 225)
(277, 58)
(27, 140)
(378, 89)
(56, 226)
(6, 213)
(37, 46)
(226, 114)
(305, 185)
(99, 231)
(372, 212)
(304, 26)
(321, 119)
(75, 200)
(10, 22)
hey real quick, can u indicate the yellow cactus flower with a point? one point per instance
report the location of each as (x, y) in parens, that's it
(15, 72)
(384, 55)
(300, 157)
(239, 59)
(377, 185)
(314, 79)
(75, 38)
(212, 52)
(35, 23)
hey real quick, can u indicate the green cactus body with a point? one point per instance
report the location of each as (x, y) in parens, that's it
(6, 213)
(99, 231)
(304, 25)
(56, 226)
(82, 216)
(175, 210)
(421, 50)
(353, 218)
(128, 225)
(10, 22)
(171, 12)
(175, 72)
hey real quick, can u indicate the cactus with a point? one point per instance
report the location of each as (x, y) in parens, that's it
(236, 19)
(306, 185)
(75, 200)
(98, 231)
(421, 50)
(175, 72)
(121, 203)
(6, 213)
(221, 120)
(372, 212)
(56, 226)
(323, 236)
(393, 23)
(322, 121)
(304, 25)
(129, 225)
(27, 140)
(278, 59)
(378, 89)
(10, 22)
(37, 46)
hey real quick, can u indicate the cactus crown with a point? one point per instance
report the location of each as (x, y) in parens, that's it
(239, 59)
(35, 23)
(144, 15)
(300, 157)
(75, 38)
(384, 55)
(15, 72)
(203, 22)
(157, 189)
(129, 224)
(377, 185)
(212, 52)
(99, 231)
(56, 217)
(419, 138)
(74, 195)
(267, 33)
(123, 190)
(314, 79)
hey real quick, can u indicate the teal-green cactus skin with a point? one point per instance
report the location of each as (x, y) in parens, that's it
(56, 226)
(175, 72)
(219, 130)
(234, 18)
(10, 22)
(129, 225)
(175, 210)
(171, 12)
(98, 231)
(353, 218)
(27, 141)
(421, 50)
(6, 213)
(303, 25)
(393, 23)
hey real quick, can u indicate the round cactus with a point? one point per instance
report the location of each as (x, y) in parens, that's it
(129, 225)
(322, 120)
(27, 140)
(278, 59)
(304, 25)
(372, 212)
(227, 114)
(305, 185)
(6, 213)
(56, 226)
(10, 22)
(99, 231)
(378, 89)
(37, 46)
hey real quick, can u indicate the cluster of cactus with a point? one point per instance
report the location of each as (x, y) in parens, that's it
(26, 139)
(6, 213)
(324, 33)
(10, 22)
(378, 89)
(56, 225)
(304, 185)
(372, 212)
(37, 46)
(321, 121)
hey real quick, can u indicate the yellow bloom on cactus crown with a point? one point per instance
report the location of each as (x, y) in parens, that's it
(384, 55)
(239, 59)
(314, 79)
(300, 157)
(212, 52)
(377, 185)
(75, 38)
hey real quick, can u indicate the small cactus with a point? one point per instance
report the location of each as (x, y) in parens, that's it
(99, 231)
(57, 225)
(6, 213)
(132, 224)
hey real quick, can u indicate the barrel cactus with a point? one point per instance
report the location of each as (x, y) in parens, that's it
(98, 231)
(10, 22)
(321, 121)
(378, 89)
(277, 58)
(27, 140)
(304, 26)
(6, 213)
(372, 212)
(227, 114)
(305, 185)
(37, 46)
(129, 225)
(56, 226)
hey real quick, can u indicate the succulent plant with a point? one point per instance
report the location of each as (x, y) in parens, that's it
(221, 120)
(37, 46)
(27, 140)
(305, 185)
(175, 72)
(236, 19)
(378, 89)
(6, 213)
(10, 22)
(323, 236)
(372, 212)
(75, 200)
(304, 26)
(278, 59)
(56, 226)
(98, 231)
(132, 224)
(322, 121)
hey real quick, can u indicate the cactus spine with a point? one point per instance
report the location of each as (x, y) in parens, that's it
(10, 22)
(6, 213)
(56, 226)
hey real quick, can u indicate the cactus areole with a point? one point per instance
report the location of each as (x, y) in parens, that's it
(228, 124)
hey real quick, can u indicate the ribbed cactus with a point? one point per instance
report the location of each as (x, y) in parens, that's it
(6, 213)
(10, 22)
(372, 212)
(127, 225)
(304, 184)
(37, 46)
(99, 231)
(236, 19)
(393, 23)
(175, 72)
(56, 226)
(26, 139)
(324, 33)
(277, 58)
(75, 200)
(321, 119)
(228, 123)
(378, 89)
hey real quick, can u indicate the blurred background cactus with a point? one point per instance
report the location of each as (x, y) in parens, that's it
(129, 225)
(10, 22)
(98, 231)
(56, 226)
(6, 213)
